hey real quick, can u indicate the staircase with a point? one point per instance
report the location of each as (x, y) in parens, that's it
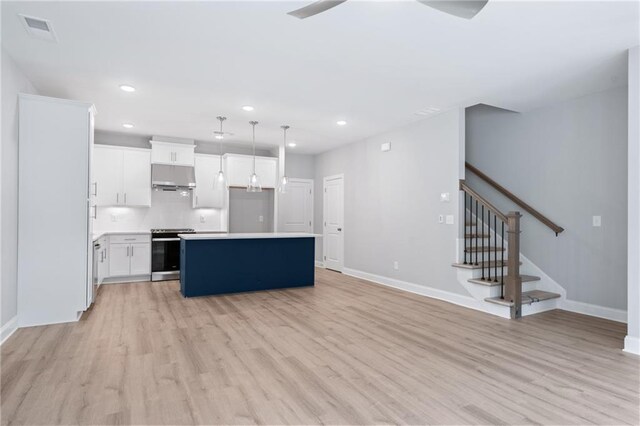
(491, 261)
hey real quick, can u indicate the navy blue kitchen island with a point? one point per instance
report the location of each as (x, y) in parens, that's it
(231, 263)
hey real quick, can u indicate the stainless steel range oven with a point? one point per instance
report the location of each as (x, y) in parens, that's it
(165, 253)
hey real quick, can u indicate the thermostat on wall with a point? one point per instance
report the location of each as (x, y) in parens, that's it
(385, 147)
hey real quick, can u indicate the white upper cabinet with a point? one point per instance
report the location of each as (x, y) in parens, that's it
(239, 167)
(175, 154)
(122, 176)
(205, 194)
(137, 177)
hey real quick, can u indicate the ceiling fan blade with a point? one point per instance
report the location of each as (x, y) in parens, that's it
(461, 8)
(315, 8)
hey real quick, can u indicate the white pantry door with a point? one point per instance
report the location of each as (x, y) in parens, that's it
(297, 206)
(333, 211)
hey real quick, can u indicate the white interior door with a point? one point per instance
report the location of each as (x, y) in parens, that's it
(333, 209)
(296, 206)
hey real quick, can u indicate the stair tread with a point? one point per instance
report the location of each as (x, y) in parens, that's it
(528, 297)
(525, 279)
(491, 263)
(483, 248)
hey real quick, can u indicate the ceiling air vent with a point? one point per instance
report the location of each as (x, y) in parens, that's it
(427, 111)
(40, 28)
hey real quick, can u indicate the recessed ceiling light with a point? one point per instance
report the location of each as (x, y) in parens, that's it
(291, 144)
(341, 123)
(127, 88)
(247, 108)
(127, 125)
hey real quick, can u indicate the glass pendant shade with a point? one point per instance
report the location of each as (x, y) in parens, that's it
(283, 185)
(254, 182)
(220, 182)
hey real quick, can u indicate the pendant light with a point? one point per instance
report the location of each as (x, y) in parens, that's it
(254, 182)
(221, 181)
(282, 188)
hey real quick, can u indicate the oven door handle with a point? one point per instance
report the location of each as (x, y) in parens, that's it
(165, 239)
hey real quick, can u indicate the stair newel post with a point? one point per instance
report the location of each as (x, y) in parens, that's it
(513, 290)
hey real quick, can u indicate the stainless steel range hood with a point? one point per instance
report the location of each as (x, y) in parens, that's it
(172, 178)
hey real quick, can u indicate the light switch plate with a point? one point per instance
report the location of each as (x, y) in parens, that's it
(203, 219)
(445, 197)
(396, 266)
(114, 218)
(597, 221)
(385, 147)
(260, 218)
(449, 219)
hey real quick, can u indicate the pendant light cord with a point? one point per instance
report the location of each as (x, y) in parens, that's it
(253, 123)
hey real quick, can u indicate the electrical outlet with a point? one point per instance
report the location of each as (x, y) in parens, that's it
(203, 218)
(597, 221)
(449, 219)
(114, 218)
(396, 266)
(385, 147)
(445, 197)
(260, 218)
(441, 218)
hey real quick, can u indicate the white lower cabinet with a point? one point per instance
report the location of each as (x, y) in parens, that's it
(129, 255)
(103, 260)
(140, 257)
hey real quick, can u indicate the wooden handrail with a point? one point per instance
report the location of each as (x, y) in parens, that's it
(535, 213)
(464, 187)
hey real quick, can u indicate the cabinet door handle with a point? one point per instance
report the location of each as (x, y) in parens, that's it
(125, 198)
(95, 212)
(127, 251)
(197, 200)
(95, 189)
(117, 198)
(131, 251)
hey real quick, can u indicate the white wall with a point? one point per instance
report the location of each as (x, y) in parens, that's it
(392, 201)
(300, 166)
(13, 82)
(569, 161)
(632, 341)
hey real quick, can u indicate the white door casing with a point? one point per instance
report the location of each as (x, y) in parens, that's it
(296, 206)
(333, 221)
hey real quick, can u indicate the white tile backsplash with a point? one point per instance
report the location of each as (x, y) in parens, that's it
(168, 210)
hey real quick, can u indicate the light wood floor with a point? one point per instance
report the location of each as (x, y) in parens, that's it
(344, 352)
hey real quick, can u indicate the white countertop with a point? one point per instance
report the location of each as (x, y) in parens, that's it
(247, 236)
(97, 235)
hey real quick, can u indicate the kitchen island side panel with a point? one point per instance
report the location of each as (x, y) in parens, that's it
(218, 266)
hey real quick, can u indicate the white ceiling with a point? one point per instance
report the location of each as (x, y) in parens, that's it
(371, 63)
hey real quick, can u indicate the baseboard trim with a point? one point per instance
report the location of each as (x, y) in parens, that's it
(632, 345)
(125, 280)
(8, 329)
(612, 314)
(319, 264)
(434, 293)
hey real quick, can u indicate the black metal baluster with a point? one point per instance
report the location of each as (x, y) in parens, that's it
(476, 232)
(495, 244)
(483, 243)
(502, 266)
(488, 242)
(464, 231)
